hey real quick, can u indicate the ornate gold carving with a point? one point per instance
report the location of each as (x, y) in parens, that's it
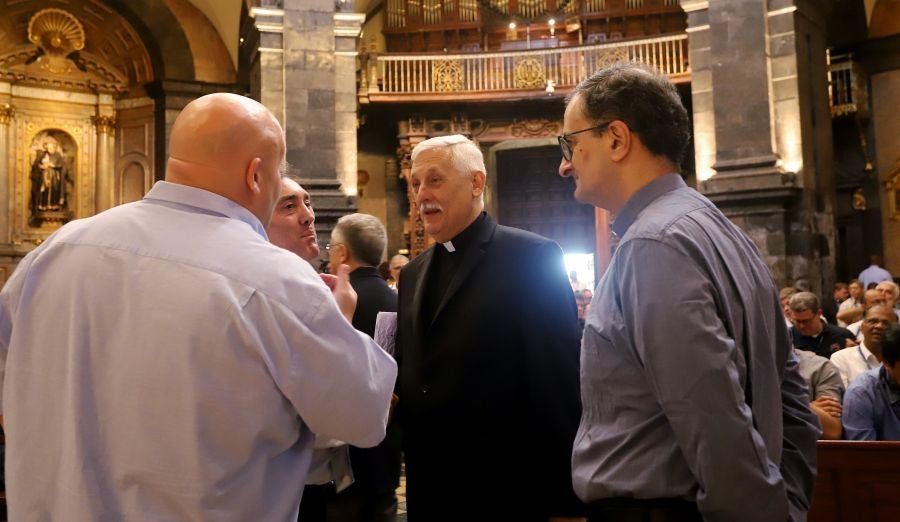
(529, 73)
(58, 34)
(892, 191)
(447, 75)
(610, 56)
(534, 128)
(7, 112)
(104, 124)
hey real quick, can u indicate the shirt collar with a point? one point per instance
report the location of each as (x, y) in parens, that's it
(643, 197)
(196, 199)
(869, 356)
(462, 240)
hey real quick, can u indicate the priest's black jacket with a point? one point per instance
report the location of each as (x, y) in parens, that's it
(488, 381)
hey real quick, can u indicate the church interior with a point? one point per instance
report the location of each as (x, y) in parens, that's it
(793, 103)
(793, 106)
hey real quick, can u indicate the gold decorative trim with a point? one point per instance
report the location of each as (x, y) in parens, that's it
(530, 73)
(892, 192)
(447, 76)
(104, 124)
(7, 112)
(58, 34)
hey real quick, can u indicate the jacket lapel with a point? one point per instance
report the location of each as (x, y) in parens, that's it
(419, 293)
(472, 256)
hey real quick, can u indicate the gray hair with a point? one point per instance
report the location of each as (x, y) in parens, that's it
(803, 301)
(364, 236)
(399, 256)
(465, 156)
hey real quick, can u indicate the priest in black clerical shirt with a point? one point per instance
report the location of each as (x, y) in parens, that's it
(488, 351)
(813, 334)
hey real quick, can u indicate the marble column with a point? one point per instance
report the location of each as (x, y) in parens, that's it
(307, 77)
(7, 113)
(762, 128)
(104, 176)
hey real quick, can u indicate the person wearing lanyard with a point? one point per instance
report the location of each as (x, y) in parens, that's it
(855, 361)
(872, 404)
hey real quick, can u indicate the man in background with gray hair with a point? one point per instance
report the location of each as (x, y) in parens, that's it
(359, 241)
(487, 344)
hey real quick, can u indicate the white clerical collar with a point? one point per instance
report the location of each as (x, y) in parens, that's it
(449, 246)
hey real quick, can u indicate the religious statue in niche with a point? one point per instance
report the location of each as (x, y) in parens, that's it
(51, 178)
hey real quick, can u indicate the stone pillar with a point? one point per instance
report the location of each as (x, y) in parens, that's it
(308, 49)
(347, 28)
(269, 22)
(762, 128)
(105, 126)
(170, 96)
(7, 112)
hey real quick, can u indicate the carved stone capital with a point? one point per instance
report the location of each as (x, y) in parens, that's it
(104, 124)
(7, 112)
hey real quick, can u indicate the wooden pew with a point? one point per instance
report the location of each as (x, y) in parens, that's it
(858, 482)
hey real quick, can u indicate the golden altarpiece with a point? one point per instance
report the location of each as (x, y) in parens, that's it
(71, 144)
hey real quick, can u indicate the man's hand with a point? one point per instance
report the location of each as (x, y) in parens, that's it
(850, 343)
(343, 292)
(830, 405)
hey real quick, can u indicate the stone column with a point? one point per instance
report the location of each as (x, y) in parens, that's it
(269, 22)
(307, 78)
(170, 97)
(347, 28)
(7, 112)
(105, 125)
(762, 128)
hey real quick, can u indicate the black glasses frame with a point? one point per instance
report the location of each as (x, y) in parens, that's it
(563, 139)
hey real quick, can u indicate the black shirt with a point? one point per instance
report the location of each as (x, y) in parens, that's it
(831, 339)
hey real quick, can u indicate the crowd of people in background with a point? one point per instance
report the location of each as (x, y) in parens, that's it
(848, 345)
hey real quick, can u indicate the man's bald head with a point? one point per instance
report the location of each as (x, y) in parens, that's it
(230, 145)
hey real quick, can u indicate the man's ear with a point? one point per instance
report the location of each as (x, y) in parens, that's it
(251, 175)
(478, 180)
(621, 140)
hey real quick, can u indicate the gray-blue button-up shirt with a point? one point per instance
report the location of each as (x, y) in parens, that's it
(689, 385)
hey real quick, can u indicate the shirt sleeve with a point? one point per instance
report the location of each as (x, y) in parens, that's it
(338, 380)
(839, 362)
(829, 382)
(9, 300)
(801, 429)
(858, 416)
(690, 362)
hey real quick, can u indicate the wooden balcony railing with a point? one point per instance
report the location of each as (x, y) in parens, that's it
(497, 75)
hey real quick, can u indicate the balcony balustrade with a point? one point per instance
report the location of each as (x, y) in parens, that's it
(503, 75)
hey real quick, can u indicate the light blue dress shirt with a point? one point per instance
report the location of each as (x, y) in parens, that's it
(690, 388)
(163, 361)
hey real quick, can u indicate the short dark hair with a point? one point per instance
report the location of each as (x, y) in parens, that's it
(645, 100)
(364, 236)
(890, 344)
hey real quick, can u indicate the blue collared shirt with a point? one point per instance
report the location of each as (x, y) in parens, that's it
(163, 361)
(690, 388)
(872, 407)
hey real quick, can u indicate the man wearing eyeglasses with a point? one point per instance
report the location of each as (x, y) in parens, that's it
(714, 422)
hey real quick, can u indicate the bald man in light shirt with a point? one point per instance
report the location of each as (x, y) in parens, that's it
(189, 361)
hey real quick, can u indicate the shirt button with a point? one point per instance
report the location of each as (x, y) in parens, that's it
(424, 389)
